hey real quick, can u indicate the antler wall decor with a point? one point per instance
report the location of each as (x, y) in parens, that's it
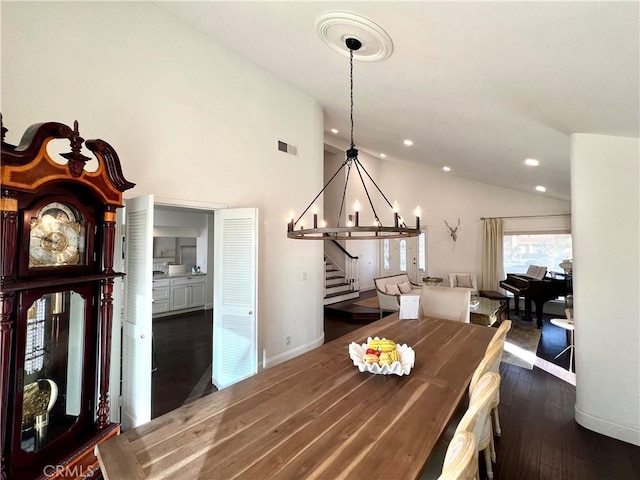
(453, 231)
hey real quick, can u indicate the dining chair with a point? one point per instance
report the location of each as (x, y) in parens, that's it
(447, 303)
(476, 420)
(490, 363)
(501, 333)
(460, 461)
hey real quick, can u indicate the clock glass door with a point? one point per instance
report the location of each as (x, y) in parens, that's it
(53, 367)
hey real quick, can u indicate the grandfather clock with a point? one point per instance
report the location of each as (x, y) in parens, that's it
(58, 216)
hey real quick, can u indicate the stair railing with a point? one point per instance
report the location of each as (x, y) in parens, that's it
(350, 266)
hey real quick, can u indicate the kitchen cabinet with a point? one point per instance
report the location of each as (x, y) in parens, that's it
(161, 295)
(187, 292)
(179, 293)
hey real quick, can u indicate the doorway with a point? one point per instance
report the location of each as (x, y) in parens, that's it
(404, 255)
(182, 321)
(229, 254)
(181, 363)
(145, 218)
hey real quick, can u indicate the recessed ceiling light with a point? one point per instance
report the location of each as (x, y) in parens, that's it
(408, 142)
(383, 155)
(540, 188)
(334, 131)
(446, 169)
(532, 162)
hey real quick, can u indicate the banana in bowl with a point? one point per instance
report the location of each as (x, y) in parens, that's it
(382, 356)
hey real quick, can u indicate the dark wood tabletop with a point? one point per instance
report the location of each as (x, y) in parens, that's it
(315, 416)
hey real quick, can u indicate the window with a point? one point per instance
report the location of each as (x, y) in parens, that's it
(422, 252)
(546, 250)
(403, 255)
(386, 255)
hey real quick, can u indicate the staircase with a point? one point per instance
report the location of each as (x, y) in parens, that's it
(336, 287)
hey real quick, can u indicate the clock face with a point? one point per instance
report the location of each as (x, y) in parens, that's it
(55, 238)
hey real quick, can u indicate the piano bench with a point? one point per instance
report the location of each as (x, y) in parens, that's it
(493, 295)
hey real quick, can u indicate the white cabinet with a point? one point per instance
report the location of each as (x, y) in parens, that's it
(198, 294)
(161, 295)
(179, 293)
(179, 297)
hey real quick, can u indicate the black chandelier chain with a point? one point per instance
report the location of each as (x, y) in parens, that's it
(351, 94)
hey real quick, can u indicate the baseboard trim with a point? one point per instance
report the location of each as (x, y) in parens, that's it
(605, 427)
(289, 354)
(556, 371)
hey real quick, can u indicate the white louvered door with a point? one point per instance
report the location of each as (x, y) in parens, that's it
(137, 331)
(235, 329)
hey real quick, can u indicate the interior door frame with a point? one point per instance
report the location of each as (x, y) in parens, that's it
(118, 327)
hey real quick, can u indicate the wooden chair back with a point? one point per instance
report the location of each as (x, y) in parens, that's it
(460, 461)
(476, 417)
(501, 334)
(489, 363)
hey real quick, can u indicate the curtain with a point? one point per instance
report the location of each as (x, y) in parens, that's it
(492, 261)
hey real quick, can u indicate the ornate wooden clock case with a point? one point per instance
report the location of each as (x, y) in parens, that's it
(56, 284)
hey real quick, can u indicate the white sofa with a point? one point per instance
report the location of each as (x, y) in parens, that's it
(391, 288)
(464, 280)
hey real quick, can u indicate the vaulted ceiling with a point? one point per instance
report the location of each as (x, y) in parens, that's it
(477, 86)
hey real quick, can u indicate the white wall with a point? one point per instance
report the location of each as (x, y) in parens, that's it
(189, 121)
(606, 289)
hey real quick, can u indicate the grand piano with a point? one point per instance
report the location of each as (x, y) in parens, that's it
(537, 287)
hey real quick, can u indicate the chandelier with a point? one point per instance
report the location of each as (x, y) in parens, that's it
(352, 229)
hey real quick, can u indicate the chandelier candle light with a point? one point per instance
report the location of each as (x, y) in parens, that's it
(352, 231)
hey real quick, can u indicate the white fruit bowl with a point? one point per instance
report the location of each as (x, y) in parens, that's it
(403, 367)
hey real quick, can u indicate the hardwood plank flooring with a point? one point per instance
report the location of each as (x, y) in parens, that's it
(182, 360)
(541, 440)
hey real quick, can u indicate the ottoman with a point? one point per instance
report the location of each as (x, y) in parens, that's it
(493, 295)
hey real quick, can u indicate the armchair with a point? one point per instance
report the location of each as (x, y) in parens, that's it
(464, 280)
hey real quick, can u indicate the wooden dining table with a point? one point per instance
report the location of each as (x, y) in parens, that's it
(314, 416)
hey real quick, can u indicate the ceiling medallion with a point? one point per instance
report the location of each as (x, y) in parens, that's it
(352, 230)
(335, 27)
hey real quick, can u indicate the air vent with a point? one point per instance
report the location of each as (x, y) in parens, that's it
(287, 148)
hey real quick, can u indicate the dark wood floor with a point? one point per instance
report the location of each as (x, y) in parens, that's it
(540, 439)
(182, 360)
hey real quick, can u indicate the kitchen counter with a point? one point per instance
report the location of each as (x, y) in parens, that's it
(158, 276)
